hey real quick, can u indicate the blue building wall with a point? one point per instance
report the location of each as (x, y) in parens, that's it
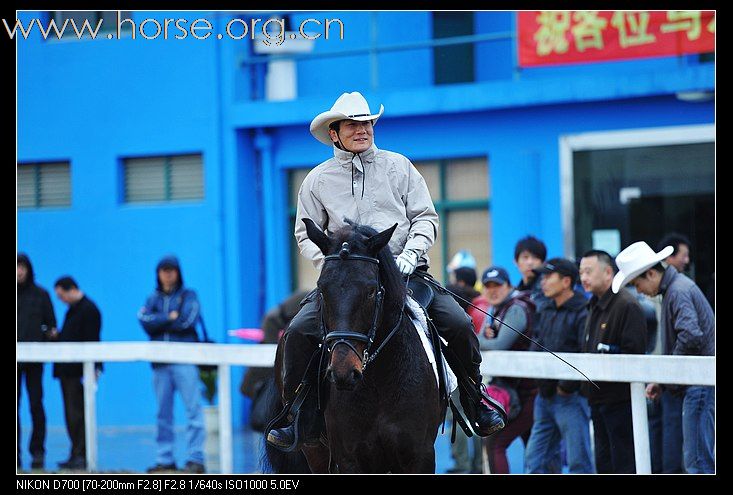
(96, 102)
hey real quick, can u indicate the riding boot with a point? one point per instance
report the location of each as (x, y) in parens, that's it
(304, 425)
(303, 421)
(464, 357)
(485, 415)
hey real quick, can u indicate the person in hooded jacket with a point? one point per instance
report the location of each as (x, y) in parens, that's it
(378, 188)
(170, 314)
(36, 321)
(560, 411)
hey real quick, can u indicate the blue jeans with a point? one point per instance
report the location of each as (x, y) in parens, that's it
(184, 378)
(698, 429)
(665, 432)
(557, 417)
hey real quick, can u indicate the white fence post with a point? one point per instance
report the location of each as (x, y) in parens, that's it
(635, 369)
(225, 419)
(90, 414)
(641, 428)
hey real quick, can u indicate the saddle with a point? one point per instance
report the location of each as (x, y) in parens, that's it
(421, 292)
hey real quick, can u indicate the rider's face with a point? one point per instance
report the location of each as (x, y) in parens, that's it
(355, 136)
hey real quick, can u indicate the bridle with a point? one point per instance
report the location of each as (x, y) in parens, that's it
(346, 337)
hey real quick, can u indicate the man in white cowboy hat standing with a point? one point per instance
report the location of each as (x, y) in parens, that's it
(689, 330)
(377, 188)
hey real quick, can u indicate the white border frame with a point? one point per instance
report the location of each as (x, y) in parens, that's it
(629, 138)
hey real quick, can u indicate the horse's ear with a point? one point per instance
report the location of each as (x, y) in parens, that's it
(316, 235)
(376, 242)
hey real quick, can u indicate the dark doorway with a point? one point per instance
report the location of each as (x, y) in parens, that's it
(641, 194)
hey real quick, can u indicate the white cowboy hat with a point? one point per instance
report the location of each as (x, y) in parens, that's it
(350, 106)
(635, 260)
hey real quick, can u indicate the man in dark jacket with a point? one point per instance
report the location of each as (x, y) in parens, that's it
(35, 319)
(559, 410)
(82, 323)
(616, 325)
(171, 314)
(688, 323)
(531, 253)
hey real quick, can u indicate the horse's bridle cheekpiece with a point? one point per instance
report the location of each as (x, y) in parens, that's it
(336, 337)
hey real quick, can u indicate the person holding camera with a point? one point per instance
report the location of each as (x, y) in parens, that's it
(616, 325)
(35, 320)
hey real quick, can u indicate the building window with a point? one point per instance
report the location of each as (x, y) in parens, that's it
(163, 179)
(453, 63)
(43, 185)
(108, 18)
(304, 273)
(460, 192)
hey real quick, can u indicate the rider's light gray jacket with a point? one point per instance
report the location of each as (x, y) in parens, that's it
(391, 191)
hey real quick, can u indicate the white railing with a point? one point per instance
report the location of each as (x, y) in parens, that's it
(635, 369)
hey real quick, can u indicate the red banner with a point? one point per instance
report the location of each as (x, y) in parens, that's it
(576, 36)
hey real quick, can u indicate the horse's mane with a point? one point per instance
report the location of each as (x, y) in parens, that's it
(391, 278)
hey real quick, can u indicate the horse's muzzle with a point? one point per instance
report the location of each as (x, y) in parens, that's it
(344, 381)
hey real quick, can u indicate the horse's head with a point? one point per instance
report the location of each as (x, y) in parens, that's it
(357, 269)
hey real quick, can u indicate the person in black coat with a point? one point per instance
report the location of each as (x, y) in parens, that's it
(35, 320)
(81, 324)
(616, 325)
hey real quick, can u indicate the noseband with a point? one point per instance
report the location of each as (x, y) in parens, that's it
(345, 337)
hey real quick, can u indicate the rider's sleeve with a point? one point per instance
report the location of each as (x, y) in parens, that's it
(309, 206)
(420, 212)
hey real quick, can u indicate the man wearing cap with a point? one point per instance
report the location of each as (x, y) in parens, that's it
(689, 330)
(616, 325)
(517, 310)
(377, 188)
(559, 409)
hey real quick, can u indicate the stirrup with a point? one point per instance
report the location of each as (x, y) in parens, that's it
(296, 437)
(289, 416)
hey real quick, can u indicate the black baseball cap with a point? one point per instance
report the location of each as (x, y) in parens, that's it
(495, 274)
(564, 267)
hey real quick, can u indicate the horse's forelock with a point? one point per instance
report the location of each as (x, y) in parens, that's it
(356, 235)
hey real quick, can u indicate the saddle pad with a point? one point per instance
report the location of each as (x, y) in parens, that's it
(421, 326)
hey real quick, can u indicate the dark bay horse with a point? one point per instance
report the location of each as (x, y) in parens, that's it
(382, 408)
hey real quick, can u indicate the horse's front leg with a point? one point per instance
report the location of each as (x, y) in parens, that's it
(359, 456)
(318, 457)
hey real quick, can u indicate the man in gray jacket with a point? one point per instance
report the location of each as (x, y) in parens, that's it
(377, 188)
(689, 330)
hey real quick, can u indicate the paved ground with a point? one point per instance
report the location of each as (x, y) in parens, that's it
(131, 449)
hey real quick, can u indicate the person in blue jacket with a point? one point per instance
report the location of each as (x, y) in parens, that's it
(170, 314)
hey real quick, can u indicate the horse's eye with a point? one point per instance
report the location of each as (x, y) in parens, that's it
(372, 292)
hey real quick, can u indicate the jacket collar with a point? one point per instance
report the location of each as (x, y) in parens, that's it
(346, 158)
(603, 301)
(667, 278)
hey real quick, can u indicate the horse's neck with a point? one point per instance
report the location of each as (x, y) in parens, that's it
(400, 354)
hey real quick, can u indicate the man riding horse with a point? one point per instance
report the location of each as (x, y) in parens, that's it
(377, 188)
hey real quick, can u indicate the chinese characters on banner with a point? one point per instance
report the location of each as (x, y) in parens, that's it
(573, 36)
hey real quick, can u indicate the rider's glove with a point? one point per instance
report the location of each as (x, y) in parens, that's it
(407, 261)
